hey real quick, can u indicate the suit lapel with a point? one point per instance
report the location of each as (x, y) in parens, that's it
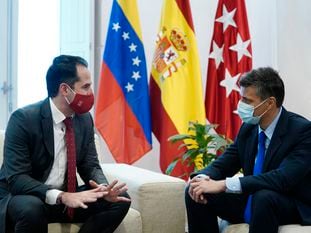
(47, 127)
(276, 140)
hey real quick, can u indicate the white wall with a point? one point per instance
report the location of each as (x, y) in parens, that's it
(294, 53)
(279, 32)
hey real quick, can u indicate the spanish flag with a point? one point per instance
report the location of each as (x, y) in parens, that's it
(122, 113)
(175, 83)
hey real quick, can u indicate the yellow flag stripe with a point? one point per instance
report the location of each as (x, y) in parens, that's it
(181, 92)
(130, 10)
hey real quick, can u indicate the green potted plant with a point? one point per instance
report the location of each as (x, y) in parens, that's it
(202, 144)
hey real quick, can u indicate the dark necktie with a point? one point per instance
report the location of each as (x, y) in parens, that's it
(257, 170)
(71, 161)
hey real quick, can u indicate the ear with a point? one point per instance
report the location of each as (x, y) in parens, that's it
(63, 89)
(272, 101)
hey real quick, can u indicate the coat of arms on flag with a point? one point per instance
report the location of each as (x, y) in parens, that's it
(168, 56)
(175, 83)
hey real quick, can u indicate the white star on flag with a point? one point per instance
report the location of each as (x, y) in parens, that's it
(230, 83)
(227, 18)
(136, 61)
(132, 47)
(129, 87)
(217, 54)
(125, 35)
(136, 75)
(116, 26)
(241, 47)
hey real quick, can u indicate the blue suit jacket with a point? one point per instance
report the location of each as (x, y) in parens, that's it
(287, 165)
(29, 153)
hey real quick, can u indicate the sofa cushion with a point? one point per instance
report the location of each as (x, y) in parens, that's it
(158, 197)
(294, 228)
(64, 227)
(130, 224)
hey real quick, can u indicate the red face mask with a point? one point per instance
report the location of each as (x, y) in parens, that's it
(81, 103)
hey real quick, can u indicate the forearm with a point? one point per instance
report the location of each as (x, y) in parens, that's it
(26, 185)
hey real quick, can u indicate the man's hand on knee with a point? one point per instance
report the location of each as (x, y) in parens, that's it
(199, 199)
(200, 186)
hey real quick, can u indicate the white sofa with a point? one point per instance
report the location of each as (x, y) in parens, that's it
(157, 200)
(243, 228)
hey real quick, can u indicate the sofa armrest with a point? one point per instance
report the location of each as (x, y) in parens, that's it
(159, 198)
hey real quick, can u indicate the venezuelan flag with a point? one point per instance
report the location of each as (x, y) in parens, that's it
(122, 114)
(175, 84)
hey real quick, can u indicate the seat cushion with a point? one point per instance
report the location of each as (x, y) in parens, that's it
(294, 228)
(148, 191)
(64, 227)
(131, 224)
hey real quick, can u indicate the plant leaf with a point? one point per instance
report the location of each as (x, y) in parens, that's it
(191, 153)
(184, 145)
(200, 139)
(172, 165)
(179, 137)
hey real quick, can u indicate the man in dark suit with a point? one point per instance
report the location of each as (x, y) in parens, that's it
(34, 178)
(276, 186)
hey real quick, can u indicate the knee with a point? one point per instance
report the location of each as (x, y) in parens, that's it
(125, 205)
(188, 198)
(27, 209)
(264, 198)
(190, 203)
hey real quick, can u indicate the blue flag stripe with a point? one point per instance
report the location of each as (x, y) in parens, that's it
(126, 59)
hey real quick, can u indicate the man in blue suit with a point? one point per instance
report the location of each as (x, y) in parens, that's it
(40, 141)
(273, 149)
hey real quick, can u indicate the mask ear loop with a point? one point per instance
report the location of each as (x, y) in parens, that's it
(68, 102)
(260, 105)
(71, 89)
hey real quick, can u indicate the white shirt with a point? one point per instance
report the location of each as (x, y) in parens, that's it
(56, 178)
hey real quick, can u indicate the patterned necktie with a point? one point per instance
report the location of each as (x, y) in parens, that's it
(71, 161)
(257, 170)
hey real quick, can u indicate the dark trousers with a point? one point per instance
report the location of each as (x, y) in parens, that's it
(269, 210)
(29, 214)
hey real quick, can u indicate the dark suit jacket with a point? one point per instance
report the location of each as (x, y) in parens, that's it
(287, 165)
(29, 153)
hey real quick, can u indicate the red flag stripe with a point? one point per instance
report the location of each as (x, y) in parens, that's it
(186, 11)
(163, 129)
(124, 148)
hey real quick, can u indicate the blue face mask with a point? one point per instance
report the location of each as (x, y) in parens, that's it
(246, 112)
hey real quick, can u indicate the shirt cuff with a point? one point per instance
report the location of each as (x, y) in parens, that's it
(233, 185)
(51, 196)
(201, 176)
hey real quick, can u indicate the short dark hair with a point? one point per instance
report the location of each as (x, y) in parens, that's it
(267, 83)
(63, 70)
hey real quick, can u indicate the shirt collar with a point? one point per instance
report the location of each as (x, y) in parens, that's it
(270, 129)
(57, 115)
